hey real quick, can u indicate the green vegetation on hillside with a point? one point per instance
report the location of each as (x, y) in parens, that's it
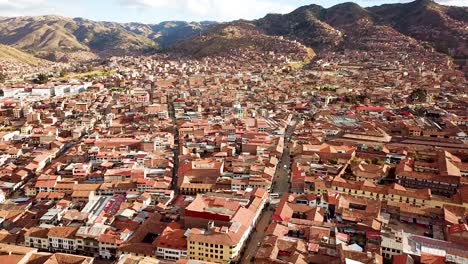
(41, 79)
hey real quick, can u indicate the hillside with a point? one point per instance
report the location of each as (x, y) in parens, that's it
(12, 55)
(422, 23)
(443, 27)
(240, 37)
(166, 33)
(170, 32)
(303, 24)
(49, 35)
(348, 24)
(61, 38)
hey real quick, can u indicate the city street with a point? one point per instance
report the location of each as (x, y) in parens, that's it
(148, 133)
(176, 143)
(281, 180)
(257, 236)
(281, 186)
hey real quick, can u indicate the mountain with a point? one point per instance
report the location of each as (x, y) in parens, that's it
(50, 34)
(12, 55)
(443, 27)
(344, 25)
(240, 37)
(305, 25)
(422, 24)
(167, 33)
(61, 38)
(170, 32)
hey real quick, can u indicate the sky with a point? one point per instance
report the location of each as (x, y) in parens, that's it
(154, 11)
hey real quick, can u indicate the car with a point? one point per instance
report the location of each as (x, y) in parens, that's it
(274, 195)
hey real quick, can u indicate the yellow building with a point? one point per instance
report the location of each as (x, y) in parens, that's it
(221, 223)
(215, 247)
(418, 198)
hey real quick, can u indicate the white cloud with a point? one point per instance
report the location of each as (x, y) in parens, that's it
(221, 10)
(20, 7)
(19, 4)
(442, 2)
(67, 8)
(12, 8)
(381, 2)
(151, 11)
(453, 2)
(148, 3)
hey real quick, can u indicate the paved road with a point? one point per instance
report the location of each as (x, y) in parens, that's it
(175, 132)
(256, 237)
(281, 186)
(282, 174)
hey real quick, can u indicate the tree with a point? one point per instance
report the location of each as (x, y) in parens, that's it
(354, 99)
(377, 161)
(63, 72)
(41, 79)
(355, 161)
(419, 95)
(3, 77)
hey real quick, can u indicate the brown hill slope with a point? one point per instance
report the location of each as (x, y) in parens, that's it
(12, 55)
(347, 25)
(49, 34)
(61, 38)
(422, 22)
(303, 24)
(240, 37)
(443, 27)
